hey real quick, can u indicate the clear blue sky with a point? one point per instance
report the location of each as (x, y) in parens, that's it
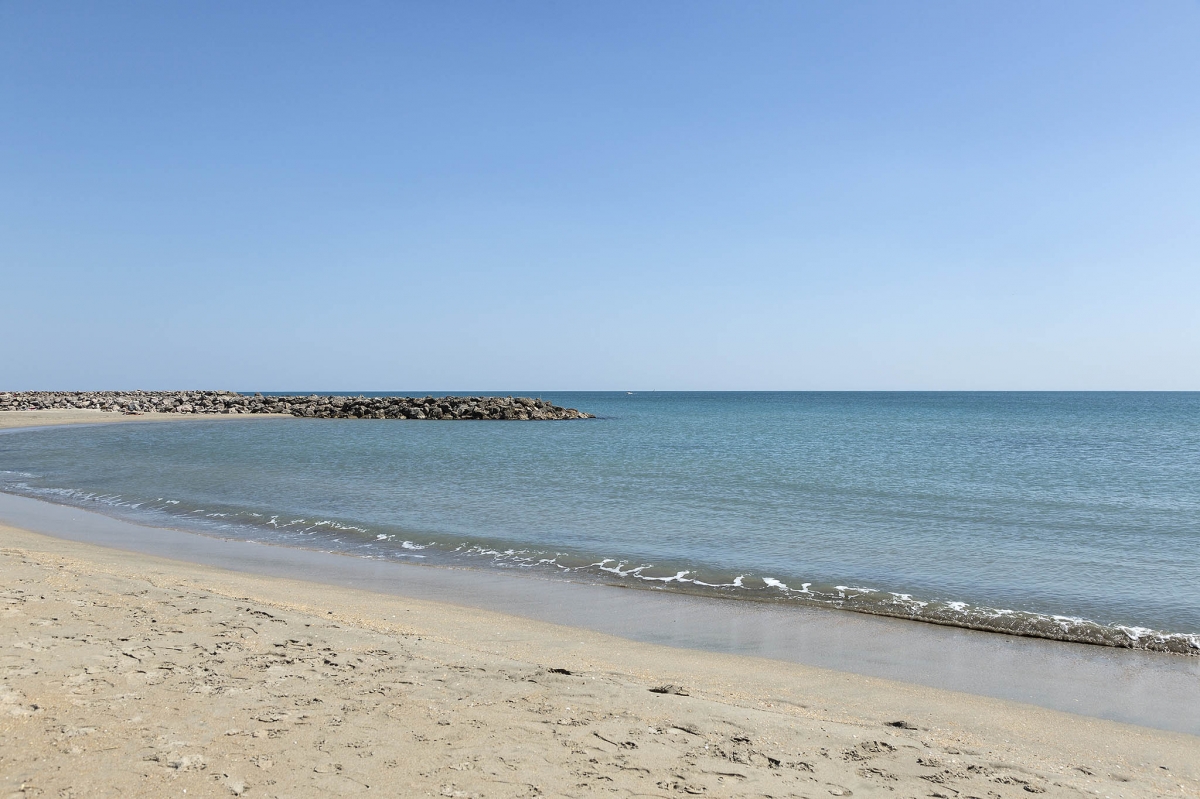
(561, 195)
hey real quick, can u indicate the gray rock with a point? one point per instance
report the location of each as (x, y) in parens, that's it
(311, 406)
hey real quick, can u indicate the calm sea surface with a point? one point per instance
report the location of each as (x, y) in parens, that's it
(1063, 515)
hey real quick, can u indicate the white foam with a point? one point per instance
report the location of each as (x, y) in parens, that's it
(737, 583)
(617, 569)
(678, 578)
(908, 601)
(1065, 623)
(1136, 633)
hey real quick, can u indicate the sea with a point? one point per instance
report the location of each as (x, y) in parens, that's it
(1068, 516)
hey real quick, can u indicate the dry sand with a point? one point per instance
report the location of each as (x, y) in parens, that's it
(127, 675)
(11, 419)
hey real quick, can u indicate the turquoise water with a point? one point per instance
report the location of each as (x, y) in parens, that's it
(1062, 515)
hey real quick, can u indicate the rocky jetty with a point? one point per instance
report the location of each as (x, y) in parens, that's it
(312, 406)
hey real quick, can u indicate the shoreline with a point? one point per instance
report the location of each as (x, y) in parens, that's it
(884, 645)
(1138, 687)
(282, 687)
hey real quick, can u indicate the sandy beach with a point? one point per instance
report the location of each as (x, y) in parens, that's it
(53, 418)
(131, 675)
(126, 675)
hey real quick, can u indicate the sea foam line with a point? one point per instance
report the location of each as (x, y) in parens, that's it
(856, 598)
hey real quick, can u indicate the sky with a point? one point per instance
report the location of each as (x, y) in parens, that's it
(600, 196)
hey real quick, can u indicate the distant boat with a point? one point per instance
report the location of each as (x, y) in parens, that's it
(628, 392)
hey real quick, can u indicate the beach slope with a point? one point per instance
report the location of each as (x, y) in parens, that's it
(127, 675)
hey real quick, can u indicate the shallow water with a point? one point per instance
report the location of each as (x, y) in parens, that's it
(1064, 515)
(1137, 687)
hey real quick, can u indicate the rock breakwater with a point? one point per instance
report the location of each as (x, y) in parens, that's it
(311, 406)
